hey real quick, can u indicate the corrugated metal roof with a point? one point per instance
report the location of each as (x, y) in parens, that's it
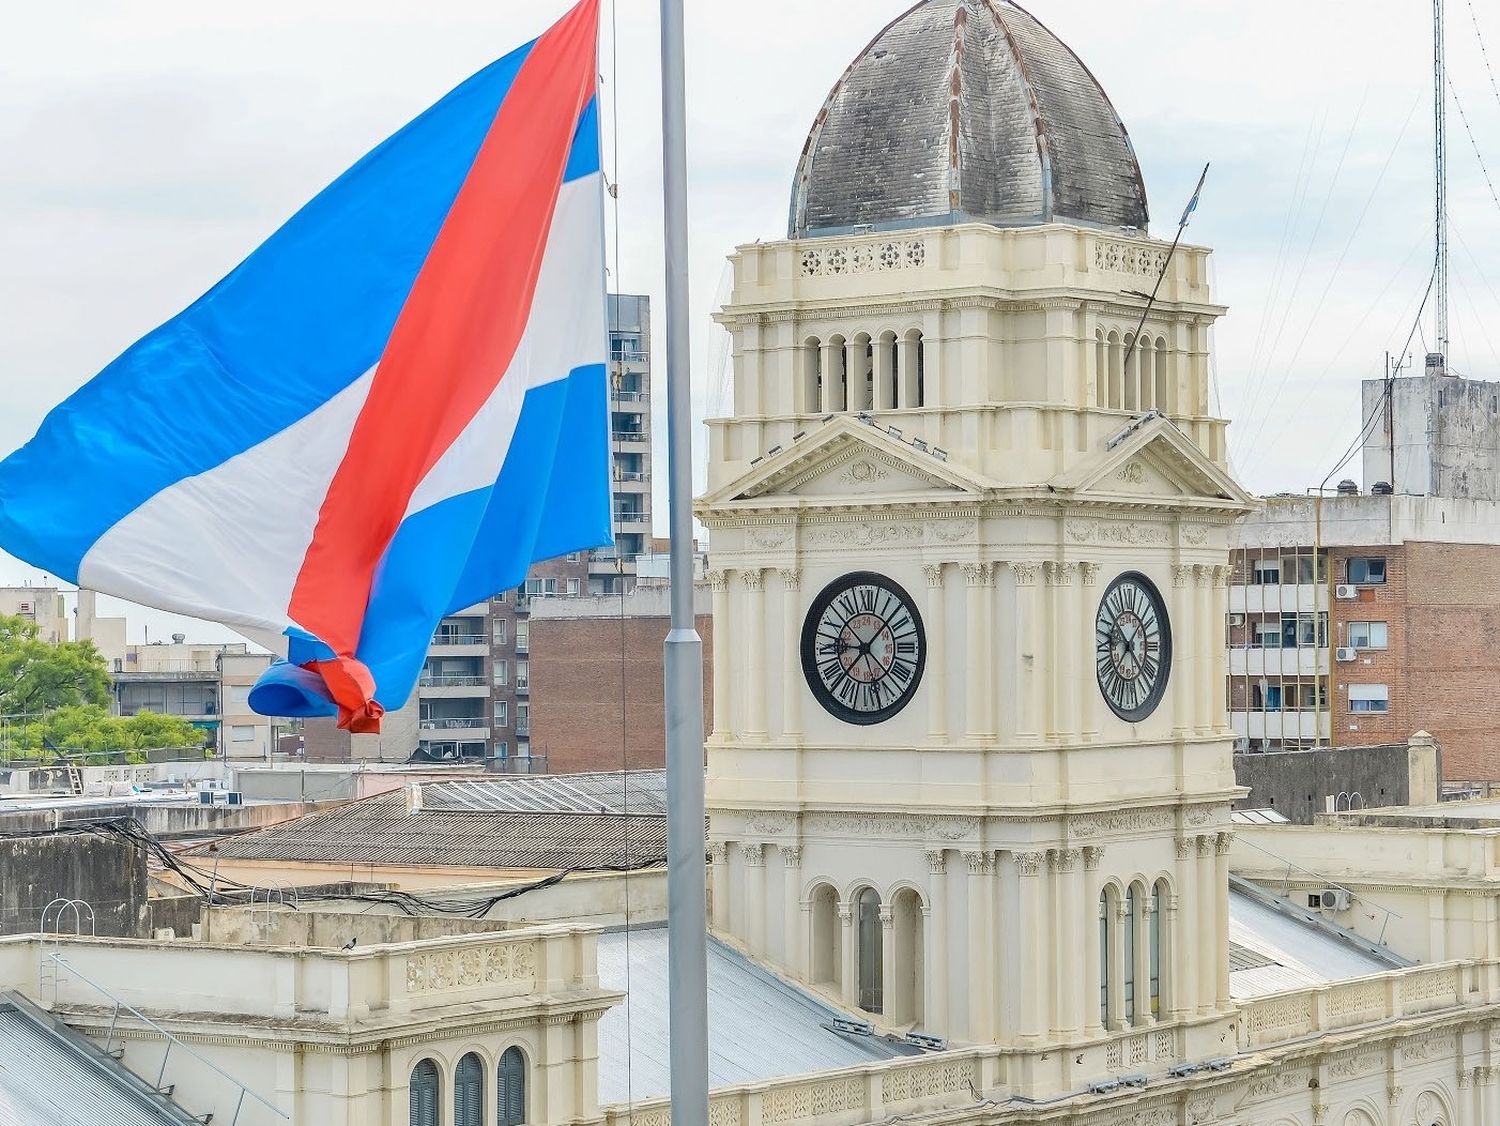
(380, 831)
(639, 791)
(1287, 952)
(759, 1026)
(51, 1075)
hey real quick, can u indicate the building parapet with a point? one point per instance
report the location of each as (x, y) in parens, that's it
(1281, 1017)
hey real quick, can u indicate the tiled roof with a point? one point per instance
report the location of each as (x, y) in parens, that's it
(458, 829)
(639, 791)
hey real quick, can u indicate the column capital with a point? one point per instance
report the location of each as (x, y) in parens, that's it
(1090, 573)
(979, 574)
(791, 856)
(718, 851)
(846, 913)
(1059, 574)
(937, 861)
(933, 573)
(1393, 1095)
(1025, 573)
(979, 862)
(791, 578)
(1063, 860)
(1182, 573)
(1093, 855)
(718, 580)
(1223, 842)
(1206, 844)
(1220, 577)
(1029, 863)
(754, 854)
(754, 579)
(887, 917)
(1203, 574)
(1185, 847)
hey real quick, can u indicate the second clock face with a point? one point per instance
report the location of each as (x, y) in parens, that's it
(1133, 647)
(863, 648)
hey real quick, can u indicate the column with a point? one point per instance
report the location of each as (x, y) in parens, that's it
(887, 957)
(1028, 953)
(1089, 920)
(791, 668)
(1067, 894)
(1222, 845)
(796, 916)
(1489, 1106)
(981, 866)
(1185, 996)
(1207, 921)
(1119, 1016)
(718, 854)
(978, 695)
(936, 677)
(754, 858)
(1218, 716)
(1204, 657)
(1092, 718)
(849, 971)
(754, 633)
(1066, 647)
(935, 975)
(1181, 684)
(831, 365)
(907, 371)
(884, 389)
(1030, 676)
(723, 674)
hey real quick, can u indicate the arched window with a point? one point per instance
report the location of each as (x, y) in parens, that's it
(1106, 957)
(468, 1092)
(825, 936)
(1158, 905)
(908, 954)
(870, 966)
(810, 400)
(510, 1089)
(1132, 914)
(1101, 369)
(1163, 390)
(424, 1094)
(1116, 372)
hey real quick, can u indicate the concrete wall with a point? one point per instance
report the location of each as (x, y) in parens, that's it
(177, 819)
(107, 872)
(1298, 784)
(1446, 433)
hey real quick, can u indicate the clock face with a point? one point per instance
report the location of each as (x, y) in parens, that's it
(863, 648)
(1133, 639)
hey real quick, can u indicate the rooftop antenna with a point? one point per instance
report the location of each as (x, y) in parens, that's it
(1440, 178)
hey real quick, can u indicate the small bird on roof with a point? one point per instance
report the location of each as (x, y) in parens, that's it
(348, 945)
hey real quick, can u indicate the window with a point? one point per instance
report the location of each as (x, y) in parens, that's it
(1158, 905)
(1132, 918)
(468, 1092)
(510, 1091)
(1266, 698)
(502, 631)
(424, 1094)
(523, 674)
(1304, 631)
(237, 698)
(574, 587)
(1300, 568)
(1266, 635)
(573, 556)
(1106, 959)
(242, 733)
(1265, 572)
(502, 672)
(870, 969)
(502, 712)
(1368, 635)
(1367, 570)
(541, 588)
(499, 599)
(1369, 698)
(523, 636)
(523, 719)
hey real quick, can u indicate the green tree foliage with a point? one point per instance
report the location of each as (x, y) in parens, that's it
(89, 729)
(38, 677)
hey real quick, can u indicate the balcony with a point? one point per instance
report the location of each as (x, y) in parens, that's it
(1283, 726)
(1278, 662)
(444, 680)
(448, 644)
(453, 687)
(521, 764)
(629, 396)
(474, 727)
(628, 440)
(629, 477)
(523, 686)
(523, 727)
(1277, 598)
(628, 356)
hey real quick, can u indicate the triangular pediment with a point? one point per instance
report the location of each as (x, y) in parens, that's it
(849, 460)
(1154, 461)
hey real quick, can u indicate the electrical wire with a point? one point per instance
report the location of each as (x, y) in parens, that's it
(1479, 156)
(1479, 35)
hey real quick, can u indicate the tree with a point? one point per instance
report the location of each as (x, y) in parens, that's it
(90, 729)
(37, 677)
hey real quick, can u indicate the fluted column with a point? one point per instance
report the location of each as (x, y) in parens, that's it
(849, 971)
(795, 916)
(1092, 712)
(1219, 716)
(1204, 656)
(935, 976)
(1031, 669)
(1028, 947)
(1089, 907)
(1186, 998)
(981, 868)
(936, 622)
(887, 957)
(753, 856)
(753, 630)
(1067, 894)
(723, 674)
(791, 669)
(718, 854)
(1222, 845)
(1181, 684)
(978, 695)
(1061, 578)
(1207, 921)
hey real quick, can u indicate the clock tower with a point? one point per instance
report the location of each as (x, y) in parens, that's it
(971, 772)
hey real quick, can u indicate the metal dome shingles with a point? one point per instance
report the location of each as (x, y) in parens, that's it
(966, 110)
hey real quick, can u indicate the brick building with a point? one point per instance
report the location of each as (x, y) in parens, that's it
(596, 680)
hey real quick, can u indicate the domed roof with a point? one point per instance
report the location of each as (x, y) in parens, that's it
(966, 111)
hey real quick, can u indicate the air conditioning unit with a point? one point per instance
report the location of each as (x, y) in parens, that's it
(1334, 899)
(1346, 655)
(1236, 619)
(1346, 591)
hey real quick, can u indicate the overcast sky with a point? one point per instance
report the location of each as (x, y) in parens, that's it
(145, 148)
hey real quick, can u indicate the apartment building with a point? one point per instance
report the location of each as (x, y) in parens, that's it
(42, 605)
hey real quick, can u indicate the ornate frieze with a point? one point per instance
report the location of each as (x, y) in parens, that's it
(439, 971)
(863, 258)
(1122, 821)
(771, 823)
(1133, 534)
(863, 471)
(892, 825)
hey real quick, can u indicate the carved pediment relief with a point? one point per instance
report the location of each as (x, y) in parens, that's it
(1156, 461)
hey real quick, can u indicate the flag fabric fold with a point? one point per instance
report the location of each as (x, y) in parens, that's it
(384, 415)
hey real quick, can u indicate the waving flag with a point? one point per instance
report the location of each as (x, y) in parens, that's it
(386, 413)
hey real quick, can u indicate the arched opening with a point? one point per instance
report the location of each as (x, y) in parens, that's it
(1158, 905)
(468, 1092)
(824, 962)
(835, 375)
(1163, 389)
(1107, 982)
(1129, 948)
(909, 955)
(862, 374)
(921, 350)
(810, 389)
(1130, 400)
(510, 1089)
(871, 965)
(1116, 372)
(425, 1094)
(1101, 369)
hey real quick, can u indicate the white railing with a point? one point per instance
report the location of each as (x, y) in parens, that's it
(447, 680)
(462, 724)
(458, 639)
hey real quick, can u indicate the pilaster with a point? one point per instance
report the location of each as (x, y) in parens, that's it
(795, 915)
(791, 671)
(979, 659)
(936, 622)
(1207, 925)
(724, 674)
(935, 972)
(1029, 945)
(753, 630)
(753, 857)
(1030, 688)
(981, 868)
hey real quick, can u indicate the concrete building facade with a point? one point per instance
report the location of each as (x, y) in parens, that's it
(42, 605)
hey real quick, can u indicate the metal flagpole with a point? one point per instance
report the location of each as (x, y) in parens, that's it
(687, 907)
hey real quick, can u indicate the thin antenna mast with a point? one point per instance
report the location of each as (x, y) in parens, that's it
(1440, 155)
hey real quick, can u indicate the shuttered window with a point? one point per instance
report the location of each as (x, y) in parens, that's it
(468, 1092)
(510, 1097)
(424, 1094)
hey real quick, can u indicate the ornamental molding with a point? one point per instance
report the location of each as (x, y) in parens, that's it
(1028, 863)
(1064, 860)
(1185, 847)
(1118, 256)
(979, 574)
(718, 852)
(1428, 1046)
(770, 536)
(754, 580)
(907, 825)
(753, 854)
(1132, 473)
(1150, 819)
(1223, 844)
(1206, 845)
(718, 580)
(441, 971)
(1090, 573)
(1093, 856)
(890, 255)
(1195, 534)
(1348, 1065)
(771, 824)
(1136, 533)
(979, 863)
(863, 471)
(1025, 573)
(937, 861)
(934, 574)
(1060, 574)
(791, 856)
(864, 533)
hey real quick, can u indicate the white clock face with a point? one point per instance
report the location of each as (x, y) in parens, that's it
(863, 648)
(1133, 647)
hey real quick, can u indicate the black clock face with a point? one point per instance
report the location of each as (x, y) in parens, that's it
(1133, 639)
(863, 648)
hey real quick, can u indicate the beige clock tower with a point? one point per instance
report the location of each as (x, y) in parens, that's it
(971, 771)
